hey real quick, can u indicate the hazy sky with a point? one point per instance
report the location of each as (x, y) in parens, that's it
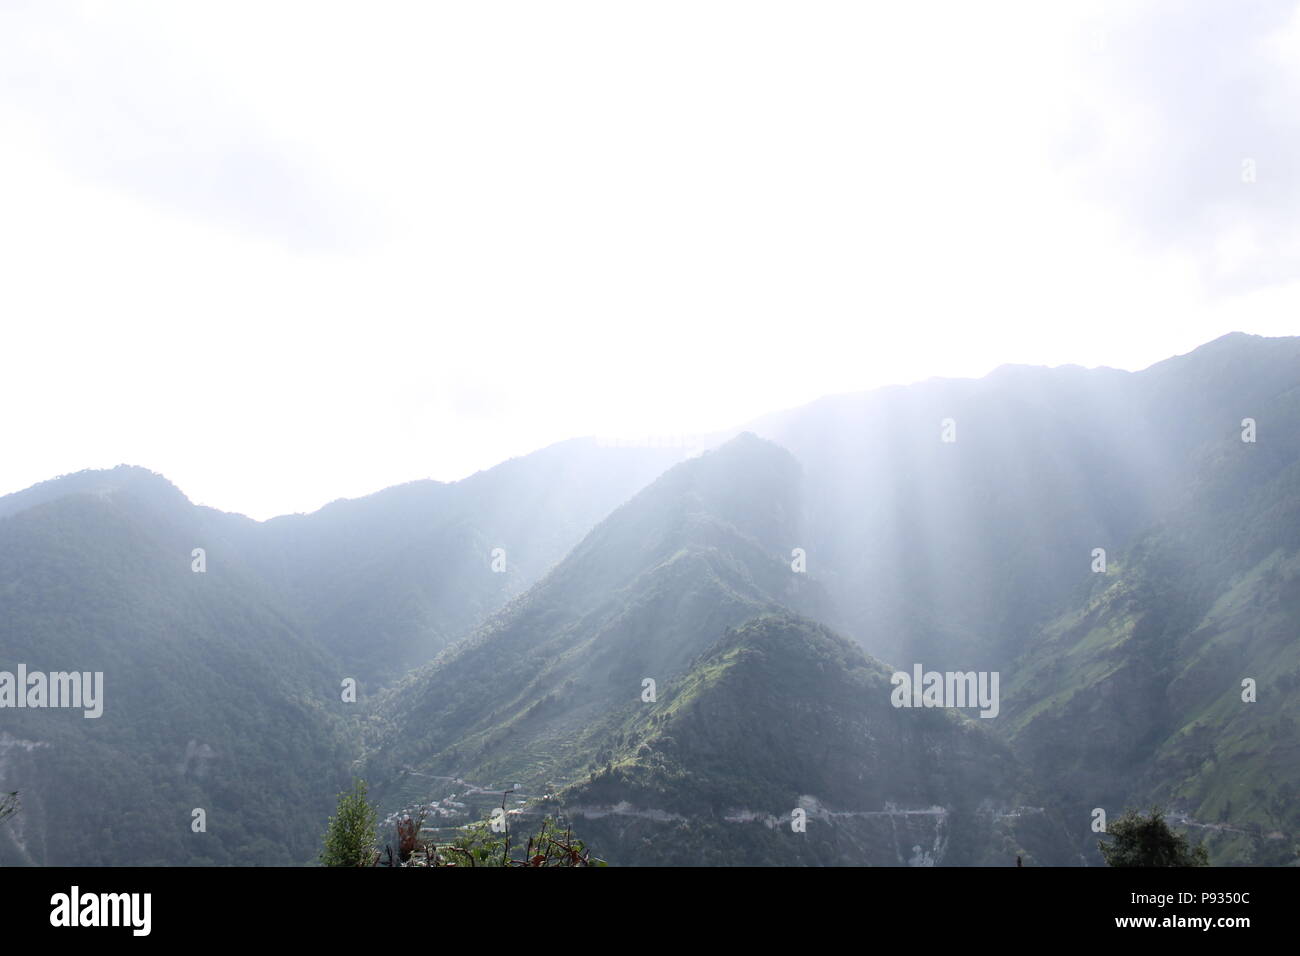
(288, 252)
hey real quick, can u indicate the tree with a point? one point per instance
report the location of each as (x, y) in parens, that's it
(1139, 840)
(8, 805)
(351, 836)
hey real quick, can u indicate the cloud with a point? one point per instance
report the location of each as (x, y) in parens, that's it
(286, 252)
(1185, 123)
(117, 99)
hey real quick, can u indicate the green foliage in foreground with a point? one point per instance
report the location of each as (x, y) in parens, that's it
(351, 837)
(480, 846)
(1146, 840)
(351, 840)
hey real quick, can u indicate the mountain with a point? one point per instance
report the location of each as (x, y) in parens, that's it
(765, 591)
(1123, 688)
(691, 585)
(637, 598)
(223, 689)
(1135, 694)
(973, 554)
(388, 581)
(963, 549)
(211, 698)
(781, 715)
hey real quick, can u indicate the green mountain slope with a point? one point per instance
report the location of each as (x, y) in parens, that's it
(962, 550)
(639, 597)
(781, 715)
(1118, 689)
(212, 699)
(388, 581)
(549, 696)
(224, 688)
(1135, 695)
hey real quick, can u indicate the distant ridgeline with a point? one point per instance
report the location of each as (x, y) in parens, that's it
(954, 623)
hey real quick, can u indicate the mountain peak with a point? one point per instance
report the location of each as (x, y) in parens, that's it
(103, 482)
(749, 482)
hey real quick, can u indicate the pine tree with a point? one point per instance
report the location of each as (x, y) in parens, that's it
(352, 833)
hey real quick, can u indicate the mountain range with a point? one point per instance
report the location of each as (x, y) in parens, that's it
(692, 658)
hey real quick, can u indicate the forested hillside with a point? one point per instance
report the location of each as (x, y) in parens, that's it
(680, 656)
(212, 698)
(1135, 695)
(223, 678)
(690, 585)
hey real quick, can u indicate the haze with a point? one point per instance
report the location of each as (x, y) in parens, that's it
(285, 253)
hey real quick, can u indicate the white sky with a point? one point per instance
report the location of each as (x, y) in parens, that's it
(288, 252)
